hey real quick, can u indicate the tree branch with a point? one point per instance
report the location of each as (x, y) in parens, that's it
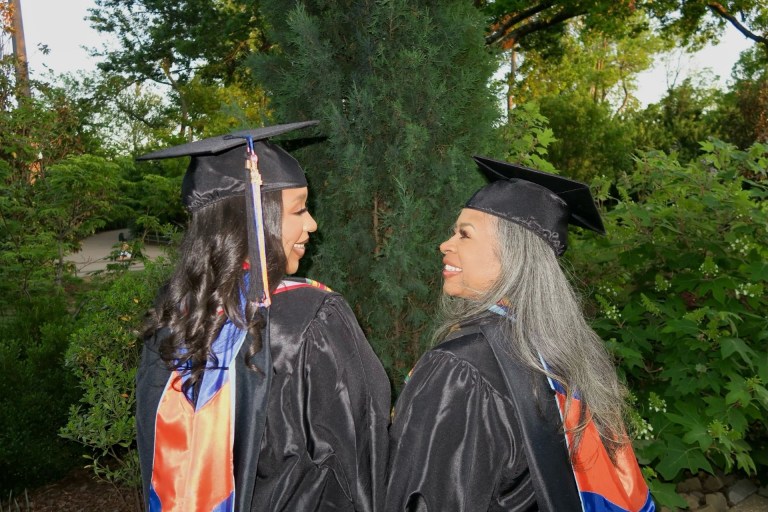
(517, 34)
(514, 19)
(721, 11)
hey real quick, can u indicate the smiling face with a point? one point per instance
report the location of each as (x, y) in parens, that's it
(470, 260)
(297, 225)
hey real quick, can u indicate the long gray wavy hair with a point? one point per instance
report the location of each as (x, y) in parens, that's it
(547, 321)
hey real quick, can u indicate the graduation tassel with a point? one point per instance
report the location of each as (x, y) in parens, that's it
(257, 251)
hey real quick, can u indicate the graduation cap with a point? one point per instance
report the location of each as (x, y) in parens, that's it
(217, 167)
(539, 201)
(242, 163)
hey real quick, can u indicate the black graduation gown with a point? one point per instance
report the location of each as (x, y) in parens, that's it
(324, 445)
(456, 442)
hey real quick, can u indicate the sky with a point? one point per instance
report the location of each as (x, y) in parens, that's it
(60, 25)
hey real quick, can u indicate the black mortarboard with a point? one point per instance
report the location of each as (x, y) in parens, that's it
(539, 201)
(217, 167)
(243, 163)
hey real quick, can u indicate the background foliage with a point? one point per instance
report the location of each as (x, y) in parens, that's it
(680, 284)
(37, 392)
(103, 355)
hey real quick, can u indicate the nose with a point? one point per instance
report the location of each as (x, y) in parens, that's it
(310, 225)
(445, 247)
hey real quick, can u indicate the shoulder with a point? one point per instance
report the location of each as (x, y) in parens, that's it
(296, 302)
(462, 363)
(304, 308)
(302, 291)
(458, 376)
(311, 318)
(469, 347)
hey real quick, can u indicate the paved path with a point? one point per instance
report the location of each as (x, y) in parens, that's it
(96, 252)
(754, 503)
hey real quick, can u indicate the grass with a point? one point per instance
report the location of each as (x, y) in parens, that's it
(13, 505)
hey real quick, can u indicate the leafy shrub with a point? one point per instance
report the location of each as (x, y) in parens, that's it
(37, 392)
(527, 137)
(680, 283)
(103, 355)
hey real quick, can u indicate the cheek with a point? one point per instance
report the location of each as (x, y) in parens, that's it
(291, 231)
(487, 268)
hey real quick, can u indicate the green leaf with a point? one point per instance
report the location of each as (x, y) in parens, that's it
(664, 494)
(681, 326)
(678, 457)
(738, 396)
(745, 462)
(730, 345)
(698, 434)
(758, 271)
(688, 421)
(718, 292)
(762, 395)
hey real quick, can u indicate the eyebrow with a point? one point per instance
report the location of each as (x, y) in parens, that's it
(464, 225)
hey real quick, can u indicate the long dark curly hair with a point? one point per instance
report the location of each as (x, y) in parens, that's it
(206, 287)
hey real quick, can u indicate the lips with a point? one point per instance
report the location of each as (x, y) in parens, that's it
(450, 270)
(300, 247)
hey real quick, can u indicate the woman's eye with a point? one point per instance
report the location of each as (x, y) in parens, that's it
(463, 234)
(302, 211)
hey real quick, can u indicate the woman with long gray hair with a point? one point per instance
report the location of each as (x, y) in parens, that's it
(518, 407)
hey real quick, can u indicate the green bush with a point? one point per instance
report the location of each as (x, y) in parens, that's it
(680, 283)
(37, 392)
(103, 355)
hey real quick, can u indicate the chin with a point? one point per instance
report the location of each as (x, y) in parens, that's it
(447, 290)
(461, 293)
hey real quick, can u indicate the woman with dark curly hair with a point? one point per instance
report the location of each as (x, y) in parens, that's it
(255, 392)
(518, 408)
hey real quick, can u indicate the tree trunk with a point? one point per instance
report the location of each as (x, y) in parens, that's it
(511, 80)
(20, 52)
(761, 128)
(59, 275)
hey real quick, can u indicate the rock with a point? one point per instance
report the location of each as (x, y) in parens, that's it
(689, 485)
(763, 491)
(712, 483)
(717, 501)
(740, 491)
(699, 496)
(707, 508)
(729, 480)
(693, 501)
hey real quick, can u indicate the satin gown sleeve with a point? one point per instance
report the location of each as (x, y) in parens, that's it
(326, 441)
(453, 442)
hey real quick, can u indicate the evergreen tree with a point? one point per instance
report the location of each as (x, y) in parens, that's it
(402, 90)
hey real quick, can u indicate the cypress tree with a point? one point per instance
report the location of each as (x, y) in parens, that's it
(402, 92)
